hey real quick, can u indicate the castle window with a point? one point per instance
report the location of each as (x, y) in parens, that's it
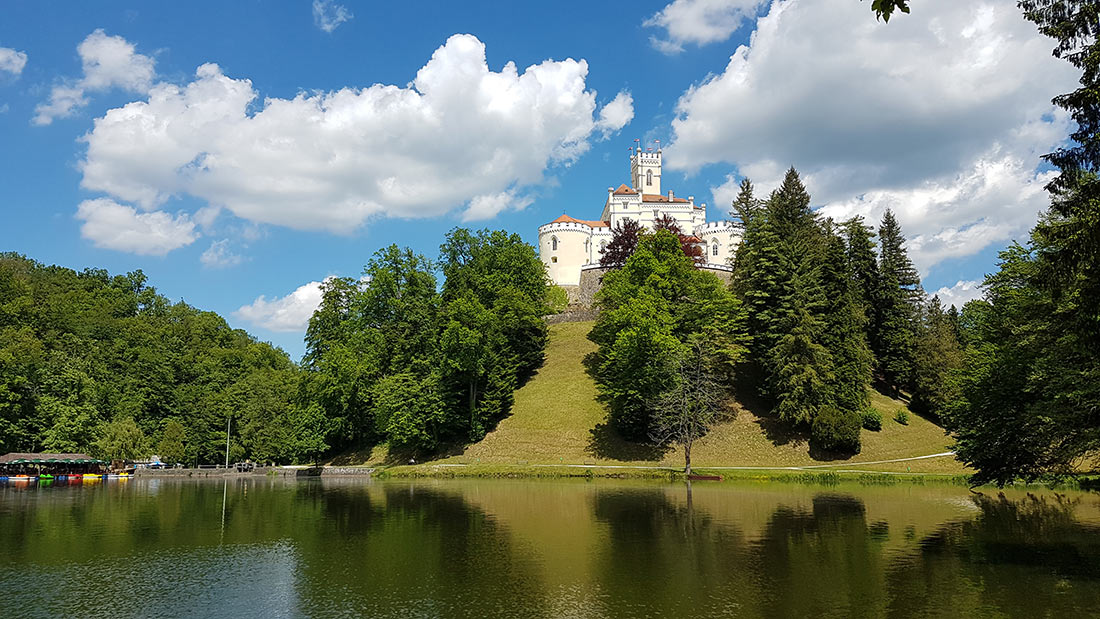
(648, 177)
(554, 244)
(553, 258)
(714, 249)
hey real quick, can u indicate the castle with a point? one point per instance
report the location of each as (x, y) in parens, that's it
(571, 248)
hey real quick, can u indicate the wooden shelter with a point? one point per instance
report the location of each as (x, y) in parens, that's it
(49, 463)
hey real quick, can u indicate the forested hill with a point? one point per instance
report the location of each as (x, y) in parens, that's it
(105, 364)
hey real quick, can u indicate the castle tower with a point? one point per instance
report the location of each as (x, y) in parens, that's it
(645, 170)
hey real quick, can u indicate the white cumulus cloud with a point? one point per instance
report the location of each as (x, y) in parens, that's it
(285, 314)
(616, 114)
(108, 62)
(219, 256)
(327, 15)
(959, 294)
(12, 61)
(699, 22)
(111, 225)
(941, 115)
(331, 160)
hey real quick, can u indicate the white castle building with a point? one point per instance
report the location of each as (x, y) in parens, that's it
(570, 247)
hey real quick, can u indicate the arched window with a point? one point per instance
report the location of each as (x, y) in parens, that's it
(553, 243)
(648, 177)
(603, 245)
(714, 249)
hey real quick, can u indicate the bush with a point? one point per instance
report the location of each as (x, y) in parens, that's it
(871, 419)
(557, 299)
(902, 416)
(836, 430)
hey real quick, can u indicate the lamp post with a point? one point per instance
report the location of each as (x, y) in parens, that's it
(228, 421)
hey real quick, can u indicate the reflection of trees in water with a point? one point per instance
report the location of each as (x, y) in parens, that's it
(824, 562)
(663, 555)
(408, 550)
(1026, 557)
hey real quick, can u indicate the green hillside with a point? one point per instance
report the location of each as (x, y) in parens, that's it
(557, 420)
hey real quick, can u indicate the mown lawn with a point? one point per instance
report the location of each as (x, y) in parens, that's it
(557, 419)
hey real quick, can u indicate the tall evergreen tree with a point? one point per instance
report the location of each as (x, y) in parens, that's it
(778, 275)
(898, 303)
(863, 266)
(936, 362)
(845, 335)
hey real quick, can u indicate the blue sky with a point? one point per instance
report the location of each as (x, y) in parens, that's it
(241, 152)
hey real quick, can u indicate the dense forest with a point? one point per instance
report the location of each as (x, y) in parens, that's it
(91, 362)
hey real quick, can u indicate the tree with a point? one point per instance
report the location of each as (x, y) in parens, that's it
(649, 310)
(624, 240)
(1031, 383)
(409, 411)
(898, 302)
(122, 439)
(1030, 391)
(690, 245)
(844, 330)
(743, 211)
(78, 349)
(778, 274)
(936, 361)
(696, 401)
(863, 266)
(885, 8)
(171, 447)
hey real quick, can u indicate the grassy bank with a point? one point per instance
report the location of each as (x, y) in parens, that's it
(557, 420)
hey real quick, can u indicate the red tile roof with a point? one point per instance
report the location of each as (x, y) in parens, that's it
(591, 224)
(623, 189)
(652, 197)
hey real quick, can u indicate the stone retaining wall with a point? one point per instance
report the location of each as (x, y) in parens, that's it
(572, 315)
(276, 471)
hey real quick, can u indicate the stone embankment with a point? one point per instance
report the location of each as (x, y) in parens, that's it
(268, 471)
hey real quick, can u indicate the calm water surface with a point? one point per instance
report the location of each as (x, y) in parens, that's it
(269, 548)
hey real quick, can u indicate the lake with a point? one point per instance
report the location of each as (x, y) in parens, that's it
(260, 547)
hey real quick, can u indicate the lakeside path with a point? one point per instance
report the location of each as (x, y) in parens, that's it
(832, 467)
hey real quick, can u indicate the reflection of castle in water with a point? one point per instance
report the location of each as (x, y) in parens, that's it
(571, 247)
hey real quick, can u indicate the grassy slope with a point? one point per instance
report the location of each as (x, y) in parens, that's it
(556, 419)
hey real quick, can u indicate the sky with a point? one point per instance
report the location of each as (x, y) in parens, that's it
(241, 152)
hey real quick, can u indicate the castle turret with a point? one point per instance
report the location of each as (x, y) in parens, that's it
(645, 171)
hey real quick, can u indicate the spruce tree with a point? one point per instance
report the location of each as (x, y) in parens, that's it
(863, 267)
(897, 305)
(844, 329)
(937, 358)
(778, 275)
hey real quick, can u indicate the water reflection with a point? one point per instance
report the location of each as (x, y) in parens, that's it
(485, 549)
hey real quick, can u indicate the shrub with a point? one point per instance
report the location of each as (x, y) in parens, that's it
(902, 416)
(871, 419)
(557, 299)
(836, 430)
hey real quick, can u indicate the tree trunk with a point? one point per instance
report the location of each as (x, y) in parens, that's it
(687, 457)
(473, 392)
